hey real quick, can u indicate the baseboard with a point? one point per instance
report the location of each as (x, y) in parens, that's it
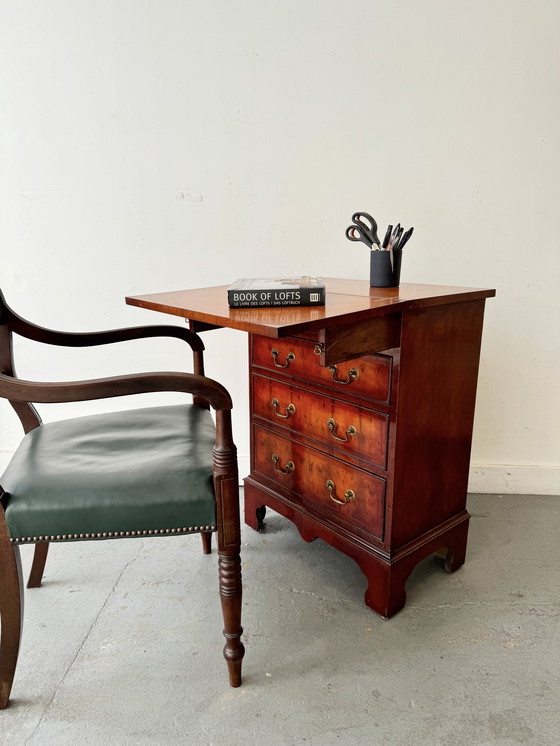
(514, 480)
(491, 478)
(483, 478)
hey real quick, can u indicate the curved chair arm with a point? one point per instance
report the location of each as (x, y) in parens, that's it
(92, 339)
(15, 389)
(32, 331)
(11, 322)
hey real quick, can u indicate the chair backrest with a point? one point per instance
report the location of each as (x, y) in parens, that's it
(10, 322)
(6, 352)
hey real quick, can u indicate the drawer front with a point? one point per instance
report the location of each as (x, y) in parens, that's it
(366, 376)
(347, 427)
(342, 493)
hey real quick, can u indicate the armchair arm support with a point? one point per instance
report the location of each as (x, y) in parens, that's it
(16, 390)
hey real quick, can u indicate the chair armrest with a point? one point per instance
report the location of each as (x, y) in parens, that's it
(16, 390)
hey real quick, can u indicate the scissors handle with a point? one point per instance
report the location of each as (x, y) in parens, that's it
(356, 233)
(368, 224)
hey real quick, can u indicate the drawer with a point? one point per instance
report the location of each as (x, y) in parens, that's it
(342, 493)
(352, 429)
(366, 376)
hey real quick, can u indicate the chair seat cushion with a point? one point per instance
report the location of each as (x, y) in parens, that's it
(129, 473)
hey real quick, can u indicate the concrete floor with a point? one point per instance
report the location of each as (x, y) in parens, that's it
(122, 644)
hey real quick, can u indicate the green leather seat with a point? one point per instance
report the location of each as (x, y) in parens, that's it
(139, 472)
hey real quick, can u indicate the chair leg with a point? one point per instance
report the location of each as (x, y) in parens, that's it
(206, 542)
(11, 611)
(226, 486)
(38, 566)
(229, 567)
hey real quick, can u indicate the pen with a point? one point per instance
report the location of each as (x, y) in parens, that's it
(404, 239)
(394, 236)
(387, 237)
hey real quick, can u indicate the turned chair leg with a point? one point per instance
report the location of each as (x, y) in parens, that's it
(229, 566)
(38, 566)
(11, 613)
(226, 486)
(206, 542)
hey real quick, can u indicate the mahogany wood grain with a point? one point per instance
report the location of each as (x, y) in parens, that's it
(11, 609)
(437, 390)
(340, 343)
(385, 572)
(365, 376)
(24, 328)
(38, 566)
(226, 487)
(18, 390)
(307, 481)
(347, 302)
(416, 350)
(310, 415)
(28, 415)
(206, 542)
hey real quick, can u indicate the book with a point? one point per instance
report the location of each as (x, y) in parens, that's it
(262, 292)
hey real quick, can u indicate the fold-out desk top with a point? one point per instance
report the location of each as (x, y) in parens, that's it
(346, 301)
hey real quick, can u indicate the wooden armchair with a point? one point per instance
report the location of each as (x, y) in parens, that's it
(156, 471)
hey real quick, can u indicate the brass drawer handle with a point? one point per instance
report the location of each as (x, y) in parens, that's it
(290, 357)
(349, 495)
(290, 466)
(290, 409)
(350, 432)
(353, 373)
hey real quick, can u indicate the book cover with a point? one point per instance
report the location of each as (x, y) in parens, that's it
(262, 292)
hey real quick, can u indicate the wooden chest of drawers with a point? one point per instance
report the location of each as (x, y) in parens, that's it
(370, 454)
(361, 418)
(316, 438)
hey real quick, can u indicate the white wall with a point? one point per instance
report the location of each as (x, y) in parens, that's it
(150, 146)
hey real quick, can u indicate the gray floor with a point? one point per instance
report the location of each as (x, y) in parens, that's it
(122, 645)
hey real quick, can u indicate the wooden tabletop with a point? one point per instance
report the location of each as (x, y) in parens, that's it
(346, 301)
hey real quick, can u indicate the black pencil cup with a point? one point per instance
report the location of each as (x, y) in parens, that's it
(383, 273)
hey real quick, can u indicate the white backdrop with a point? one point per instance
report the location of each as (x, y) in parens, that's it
(149, 146)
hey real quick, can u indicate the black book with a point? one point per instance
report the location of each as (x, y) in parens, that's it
(264, 292)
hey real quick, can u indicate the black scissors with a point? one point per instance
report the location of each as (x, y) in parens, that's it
(364, 229)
